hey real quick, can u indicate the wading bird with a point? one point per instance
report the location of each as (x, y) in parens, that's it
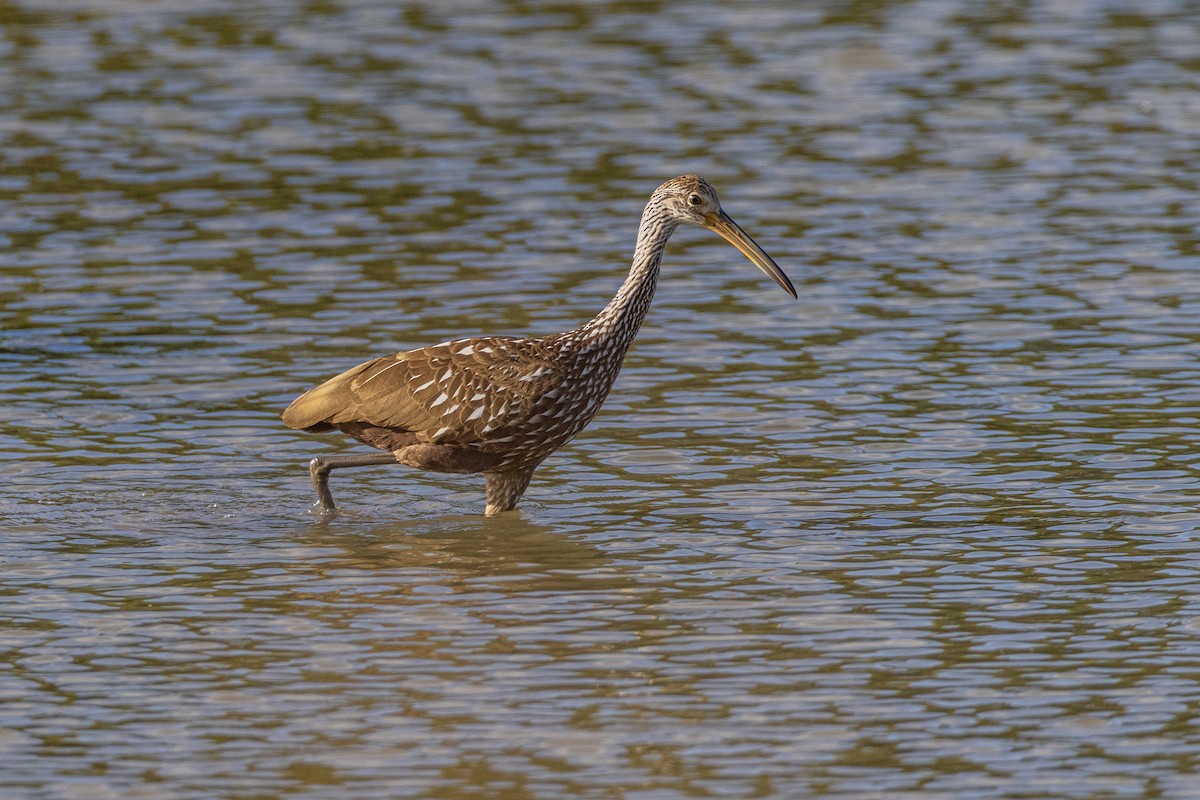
(501, 404)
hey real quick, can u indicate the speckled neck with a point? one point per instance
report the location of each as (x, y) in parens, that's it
(619, 321)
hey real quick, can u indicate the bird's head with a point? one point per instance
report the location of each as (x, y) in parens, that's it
(690, 199)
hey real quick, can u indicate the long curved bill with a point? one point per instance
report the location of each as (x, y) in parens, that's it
(720, 223)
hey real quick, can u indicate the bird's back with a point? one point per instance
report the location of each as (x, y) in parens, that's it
(519, 399)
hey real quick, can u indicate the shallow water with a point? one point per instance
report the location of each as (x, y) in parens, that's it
(928, 532)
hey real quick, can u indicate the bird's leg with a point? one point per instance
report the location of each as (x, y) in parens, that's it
(320, 466)
(504, 489)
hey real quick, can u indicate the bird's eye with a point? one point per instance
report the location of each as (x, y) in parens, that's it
(695, 199)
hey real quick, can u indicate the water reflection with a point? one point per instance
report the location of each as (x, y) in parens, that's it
(512, 549)
(927, 531)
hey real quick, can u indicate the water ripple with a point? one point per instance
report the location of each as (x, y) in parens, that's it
(927, 532)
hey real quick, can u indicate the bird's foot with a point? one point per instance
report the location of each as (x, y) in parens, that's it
(321, 509)
(319, 469)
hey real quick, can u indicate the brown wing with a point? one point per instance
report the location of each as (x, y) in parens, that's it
(455, 392)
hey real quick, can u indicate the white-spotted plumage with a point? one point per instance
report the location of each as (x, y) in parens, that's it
(501, 405)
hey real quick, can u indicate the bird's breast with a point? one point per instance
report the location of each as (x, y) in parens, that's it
(549, 418)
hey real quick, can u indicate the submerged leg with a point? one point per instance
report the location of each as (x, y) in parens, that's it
(504, 489)
(320, 466)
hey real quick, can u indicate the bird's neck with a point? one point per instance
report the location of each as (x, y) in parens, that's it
(620, 320)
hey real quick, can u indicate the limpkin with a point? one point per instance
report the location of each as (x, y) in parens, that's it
(501, 404)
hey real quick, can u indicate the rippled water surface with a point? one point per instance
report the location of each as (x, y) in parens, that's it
(929, 532)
